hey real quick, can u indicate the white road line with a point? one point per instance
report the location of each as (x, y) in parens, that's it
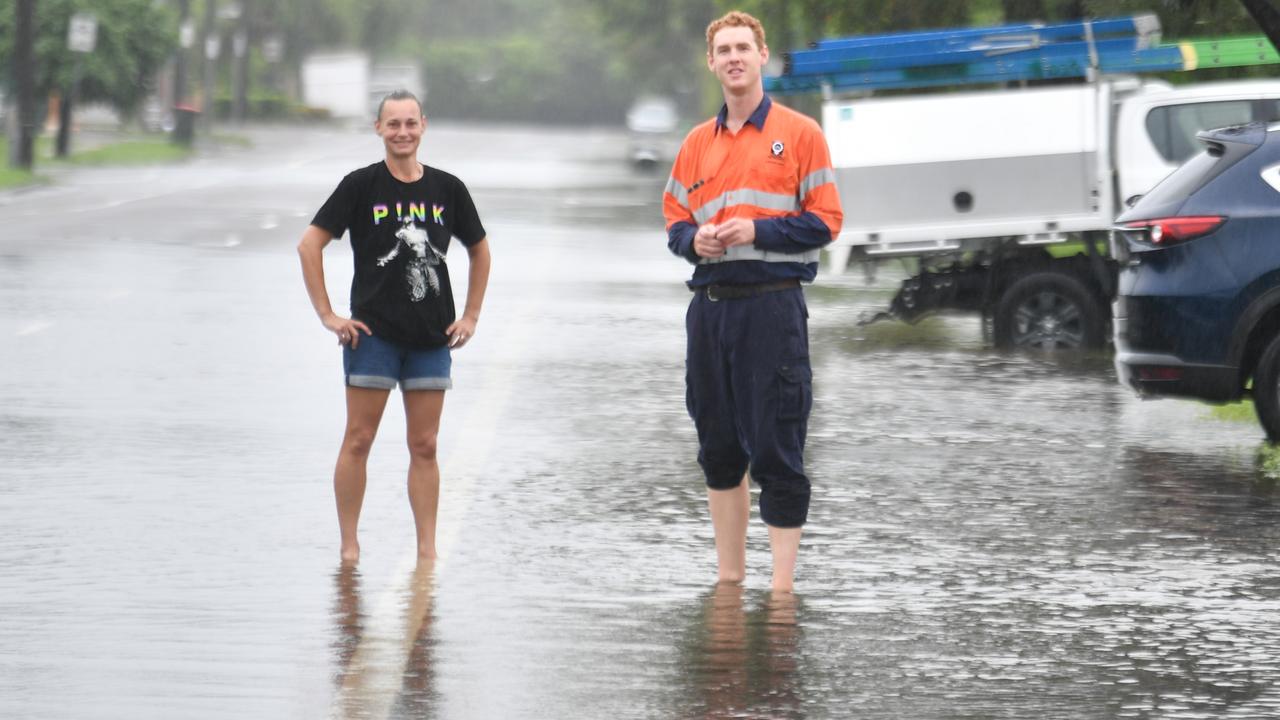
(34, 327)
(376, 671)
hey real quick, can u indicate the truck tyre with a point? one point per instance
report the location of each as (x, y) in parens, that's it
(1266, 390)
(1048, 311)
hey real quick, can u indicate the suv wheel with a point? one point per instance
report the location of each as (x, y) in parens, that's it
(1266, 389)
(1048, 311)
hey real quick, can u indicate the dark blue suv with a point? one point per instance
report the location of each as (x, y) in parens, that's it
(1198, 307)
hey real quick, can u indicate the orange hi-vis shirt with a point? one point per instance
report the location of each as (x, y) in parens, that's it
(776, 170)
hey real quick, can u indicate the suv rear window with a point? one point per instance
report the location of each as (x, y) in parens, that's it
(1173, 128)
(1200, 169)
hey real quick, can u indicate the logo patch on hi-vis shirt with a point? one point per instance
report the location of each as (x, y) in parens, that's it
(777, 148)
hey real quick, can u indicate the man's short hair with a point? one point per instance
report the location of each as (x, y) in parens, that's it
(736, 18)
(401, 94)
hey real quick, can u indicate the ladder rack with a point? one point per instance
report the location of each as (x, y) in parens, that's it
(1007, 53)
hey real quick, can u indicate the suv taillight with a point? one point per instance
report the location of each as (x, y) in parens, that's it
(1163, 232)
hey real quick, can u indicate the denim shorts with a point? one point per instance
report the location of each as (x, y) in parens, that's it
(380, 364)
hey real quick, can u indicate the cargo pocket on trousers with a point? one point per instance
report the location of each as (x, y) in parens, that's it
(795, 390)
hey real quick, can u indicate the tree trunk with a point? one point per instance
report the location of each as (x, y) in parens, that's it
(240, 71)
(63, 145)
(210, 33)
(22, 144)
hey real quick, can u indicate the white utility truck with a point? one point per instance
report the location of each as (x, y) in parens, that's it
(1004, 197)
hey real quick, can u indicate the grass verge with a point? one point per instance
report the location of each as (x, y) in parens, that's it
(131, 152)
(1240, 411)
(12, 178)
(144, 151)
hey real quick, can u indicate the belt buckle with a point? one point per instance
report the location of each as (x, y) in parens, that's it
(711, 295)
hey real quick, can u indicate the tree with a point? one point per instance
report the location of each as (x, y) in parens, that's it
(654, 47)
(21, 143)
(134, 39)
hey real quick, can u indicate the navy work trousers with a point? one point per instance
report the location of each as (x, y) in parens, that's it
(749, 389)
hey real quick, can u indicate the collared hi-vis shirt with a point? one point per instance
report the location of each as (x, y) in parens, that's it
(775, 171)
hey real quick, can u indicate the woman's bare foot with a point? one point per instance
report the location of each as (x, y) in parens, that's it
(351, 554)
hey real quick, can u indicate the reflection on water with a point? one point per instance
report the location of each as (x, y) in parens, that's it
(383, 672)
(741, 661)
(348, 621)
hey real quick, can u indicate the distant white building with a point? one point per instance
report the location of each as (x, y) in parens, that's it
(389, 77)
(349, 85)
(337, 82)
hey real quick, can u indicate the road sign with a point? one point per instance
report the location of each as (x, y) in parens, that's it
(82, 33)
(273, 48)
(187, 33)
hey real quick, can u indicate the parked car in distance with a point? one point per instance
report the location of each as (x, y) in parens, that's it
(1197, 312)
(653, 138)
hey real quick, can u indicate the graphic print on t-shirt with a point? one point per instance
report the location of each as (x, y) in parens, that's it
(420, 273)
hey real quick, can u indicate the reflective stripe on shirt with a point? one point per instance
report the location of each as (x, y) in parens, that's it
(815, 179)
(747, 252)
(746, 196)
(678, 191)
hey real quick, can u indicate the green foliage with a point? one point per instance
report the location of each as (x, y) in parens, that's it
(531, 60)
(268, 105)
(134, 38)
(1183, 18)
(655, 47)
(791, 25)
(550, 66)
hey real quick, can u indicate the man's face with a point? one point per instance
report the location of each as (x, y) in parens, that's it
(400, 127)
(735, 59)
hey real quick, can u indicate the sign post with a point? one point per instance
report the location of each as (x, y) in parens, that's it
(82, 37)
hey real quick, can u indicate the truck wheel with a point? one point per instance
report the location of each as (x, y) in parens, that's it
(1266, 390)
(1048, 311)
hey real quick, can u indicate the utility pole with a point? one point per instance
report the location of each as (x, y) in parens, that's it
(180, 59)
(183, 113)
(22, 139)
(82, 35)
(240, 48)
(212, 45)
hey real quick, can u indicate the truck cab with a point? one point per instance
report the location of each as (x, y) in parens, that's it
(1157, 124)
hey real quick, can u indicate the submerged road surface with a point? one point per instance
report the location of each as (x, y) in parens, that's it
(991, 537)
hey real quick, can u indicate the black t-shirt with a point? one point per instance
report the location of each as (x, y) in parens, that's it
(400, 233)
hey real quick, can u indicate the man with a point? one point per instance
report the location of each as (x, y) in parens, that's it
(751, 199)
(401, 215)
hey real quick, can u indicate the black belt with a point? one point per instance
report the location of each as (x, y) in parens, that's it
(737, 292)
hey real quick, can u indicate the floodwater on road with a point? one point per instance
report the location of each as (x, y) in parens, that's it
(992, 536)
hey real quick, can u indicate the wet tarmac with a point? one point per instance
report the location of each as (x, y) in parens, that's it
(992, 536)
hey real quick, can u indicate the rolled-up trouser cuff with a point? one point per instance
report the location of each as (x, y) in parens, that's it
(786, 506)
(792, 514)
(721, 480)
